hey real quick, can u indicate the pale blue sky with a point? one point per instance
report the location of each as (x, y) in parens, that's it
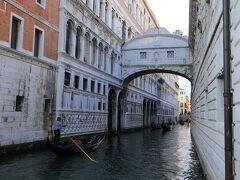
(173, 15)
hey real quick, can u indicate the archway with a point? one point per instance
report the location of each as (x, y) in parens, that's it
(140, 73)
(112, 99)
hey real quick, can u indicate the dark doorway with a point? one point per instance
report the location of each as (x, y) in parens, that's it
(120, 111)
(111, 109)
(144, 113)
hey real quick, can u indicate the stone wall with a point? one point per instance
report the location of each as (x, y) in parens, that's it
(208, 86)
(235, 48)
(27, 98)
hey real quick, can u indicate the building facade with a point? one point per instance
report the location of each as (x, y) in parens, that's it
(90, 96)
(183, 101)
(67, 56)
(28, 61)
(207, 107)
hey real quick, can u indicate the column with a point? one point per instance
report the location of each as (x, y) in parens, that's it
(102, 60)
(90, 51)
(134, 9)
(96, 59)
(91, 4)
(103, 6)
(114, 21)
(73, 43)
(109, 61)
(60, 85)
(97, 7)
(82, 46)
(106, 13)
(109, 16)
(63, 26)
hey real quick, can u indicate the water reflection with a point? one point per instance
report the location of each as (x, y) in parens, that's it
(148, 154)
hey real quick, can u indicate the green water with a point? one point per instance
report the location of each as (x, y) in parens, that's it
(148, 154)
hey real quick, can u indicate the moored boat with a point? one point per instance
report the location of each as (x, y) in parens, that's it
(181, 122)
(71, 148)
(167, 127)
(156, 125)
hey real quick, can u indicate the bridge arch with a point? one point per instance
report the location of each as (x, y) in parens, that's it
(142, 72)
(156, 51)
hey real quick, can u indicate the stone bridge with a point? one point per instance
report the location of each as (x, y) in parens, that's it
(156, 51)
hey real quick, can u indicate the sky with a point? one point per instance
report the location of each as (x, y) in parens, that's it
(173, 15)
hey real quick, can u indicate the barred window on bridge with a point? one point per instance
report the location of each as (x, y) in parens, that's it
(170, 54)
(143, 55)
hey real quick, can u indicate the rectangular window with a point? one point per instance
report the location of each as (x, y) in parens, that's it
(99, 106)
(104, 89)
(170, 54)
(104, 106)
(92, 86)
(41, 3)
(37, 42)
(19, 103)
(15, 32)
(67, 78)
(47, 106)
(85, 84)
(76, 81)
(99, 88)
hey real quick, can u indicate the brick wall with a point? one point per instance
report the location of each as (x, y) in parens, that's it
(32, 14)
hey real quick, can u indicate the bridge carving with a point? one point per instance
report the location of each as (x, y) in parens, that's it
(156, 51)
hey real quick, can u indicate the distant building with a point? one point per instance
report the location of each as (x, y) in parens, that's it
(183, 101)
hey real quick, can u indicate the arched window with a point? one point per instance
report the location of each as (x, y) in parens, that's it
(94, 51)
(105, 59)
(124, 30)
(69, 36)
(78, 43)
(86, 47)
(100, 55)
(112, 62)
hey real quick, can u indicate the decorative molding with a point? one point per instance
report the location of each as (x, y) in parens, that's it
(8, 52)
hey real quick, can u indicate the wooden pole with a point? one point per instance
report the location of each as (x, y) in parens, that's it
(81, 149)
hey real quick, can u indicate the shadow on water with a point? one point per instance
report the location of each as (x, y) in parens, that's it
(148, 154)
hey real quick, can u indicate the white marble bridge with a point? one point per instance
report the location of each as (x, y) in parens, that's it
(156, 51)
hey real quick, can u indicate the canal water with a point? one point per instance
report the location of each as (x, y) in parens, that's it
(142, 155)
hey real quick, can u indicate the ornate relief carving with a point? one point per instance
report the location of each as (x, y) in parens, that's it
(78, 123)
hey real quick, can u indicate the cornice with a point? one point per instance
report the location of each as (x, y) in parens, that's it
(17, 55)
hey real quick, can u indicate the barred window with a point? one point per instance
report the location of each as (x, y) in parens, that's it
(143, 55)
(170, 54)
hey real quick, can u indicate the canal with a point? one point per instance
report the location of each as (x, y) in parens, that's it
(148, 154)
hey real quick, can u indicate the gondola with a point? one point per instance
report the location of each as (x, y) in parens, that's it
(156, 125)
(70, 148)
(167, 127)
(181, 122)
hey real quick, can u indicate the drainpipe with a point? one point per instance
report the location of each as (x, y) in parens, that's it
(227, 92)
